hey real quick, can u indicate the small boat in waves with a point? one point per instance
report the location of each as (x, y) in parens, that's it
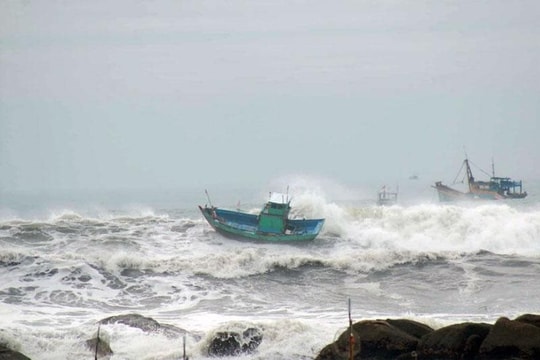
(385, 197)
(271, 224)
(497, 188)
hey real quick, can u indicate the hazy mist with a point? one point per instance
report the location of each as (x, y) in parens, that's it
(178, 94)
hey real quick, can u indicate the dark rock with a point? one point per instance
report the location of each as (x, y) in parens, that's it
(530, 319)
(103, 347)
(225, 344)
(8, 354)
(332, 352)
(376, 339)
(472, 346)
(511, 339)
(458, 341)
(517, 339)
(379, 339)
(146, 324)
(133, 320)
(233, 344)
(411, 327)
(252, 339)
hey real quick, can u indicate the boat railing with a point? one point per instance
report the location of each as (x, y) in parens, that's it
(507, 184)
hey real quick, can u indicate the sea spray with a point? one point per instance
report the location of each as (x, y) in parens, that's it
(437, 263)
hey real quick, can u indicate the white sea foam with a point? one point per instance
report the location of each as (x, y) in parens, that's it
(435, 263)
(496, 228)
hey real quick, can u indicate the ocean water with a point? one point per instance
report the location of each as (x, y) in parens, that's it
(68, 261)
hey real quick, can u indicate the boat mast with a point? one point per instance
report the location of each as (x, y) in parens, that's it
(470, 177)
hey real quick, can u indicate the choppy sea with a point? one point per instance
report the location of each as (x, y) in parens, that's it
(68, 261)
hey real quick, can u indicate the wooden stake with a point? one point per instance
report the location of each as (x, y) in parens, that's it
(97, 342)
(351, 335)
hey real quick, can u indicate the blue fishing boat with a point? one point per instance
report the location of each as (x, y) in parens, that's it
(271, 224)
(497, 188)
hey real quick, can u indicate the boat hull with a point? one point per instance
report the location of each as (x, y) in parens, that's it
(497, 188)
(240, 225)
(387, 198)
(447, 194)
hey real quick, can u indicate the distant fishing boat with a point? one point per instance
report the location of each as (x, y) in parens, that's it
(385, 197)
(497, 188)
(271, 224)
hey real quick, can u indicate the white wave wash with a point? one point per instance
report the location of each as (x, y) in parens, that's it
(373, 236)
(439, 264)
(496, 228)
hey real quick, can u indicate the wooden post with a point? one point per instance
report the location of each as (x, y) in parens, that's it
(351, 335)
(97, 342)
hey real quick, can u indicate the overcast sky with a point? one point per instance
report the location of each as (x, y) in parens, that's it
(172, 94)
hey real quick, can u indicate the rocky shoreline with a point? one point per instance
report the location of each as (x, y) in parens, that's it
(406, 339)
(371, 340)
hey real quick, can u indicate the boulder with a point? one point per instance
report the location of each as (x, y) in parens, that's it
(134, 320)
(103, 347)
(510, 339)
(413, 328)
(377, 339)
(458, 341)
(531, 319)
(146, 324)
(8, 354)
(404, 339)
(233, 344)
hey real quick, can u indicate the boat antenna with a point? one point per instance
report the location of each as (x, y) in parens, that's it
(492, 167)
(351, 336)
(97, 343)
(208, 197)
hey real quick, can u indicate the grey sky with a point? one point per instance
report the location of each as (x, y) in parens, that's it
(145, 94)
